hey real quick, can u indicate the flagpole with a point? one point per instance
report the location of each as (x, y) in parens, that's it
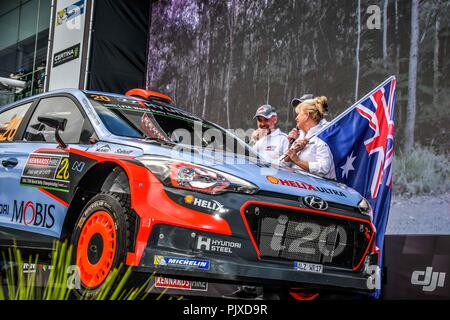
(348, 110)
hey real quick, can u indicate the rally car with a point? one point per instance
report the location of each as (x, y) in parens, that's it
(132, 179)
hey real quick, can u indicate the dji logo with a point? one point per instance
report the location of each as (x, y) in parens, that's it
(430, 281)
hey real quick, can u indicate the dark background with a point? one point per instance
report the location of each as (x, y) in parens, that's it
(222, 59)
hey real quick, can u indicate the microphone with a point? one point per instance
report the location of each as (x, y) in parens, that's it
(292, 140)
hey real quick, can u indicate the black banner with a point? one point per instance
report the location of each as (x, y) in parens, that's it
(119, 45)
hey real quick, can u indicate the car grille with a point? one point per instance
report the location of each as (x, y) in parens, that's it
(296, 235)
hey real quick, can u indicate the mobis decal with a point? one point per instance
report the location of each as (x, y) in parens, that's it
(48, 171)
(33, 214)
(303, 185)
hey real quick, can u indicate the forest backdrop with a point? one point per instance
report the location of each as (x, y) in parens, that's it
(221, 59)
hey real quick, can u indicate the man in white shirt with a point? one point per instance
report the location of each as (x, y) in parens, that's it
(271, 143)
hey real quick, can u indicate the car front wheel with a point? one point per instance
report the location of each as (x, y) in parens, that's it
(100, 240)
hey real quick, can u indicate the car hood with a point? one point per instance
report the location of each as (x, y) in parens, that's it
(266, 178)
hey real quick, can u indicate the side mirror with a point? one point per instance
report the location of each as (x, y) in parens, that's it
(57, 124)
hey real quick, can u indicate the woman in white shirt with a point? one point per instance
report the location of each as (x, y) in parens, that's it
(311, 154)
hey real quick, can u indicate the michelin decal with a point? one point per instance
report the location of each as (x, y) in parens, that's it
(181, 262)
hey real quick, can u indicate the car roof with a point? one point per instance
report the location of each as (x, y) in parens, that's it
(167, 106)
(40, 95)
(75, 91)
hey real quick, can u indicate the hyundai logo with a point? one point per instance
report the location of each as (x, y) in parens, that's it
(315, 203)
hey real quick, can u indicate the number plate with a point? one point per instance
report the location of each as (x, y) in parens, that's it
(308, 267)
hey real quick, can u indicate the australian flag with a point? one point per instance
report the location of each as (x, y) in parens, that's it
(361, 140)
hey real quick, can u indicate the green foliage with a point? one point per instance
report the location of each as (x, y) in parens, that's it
(25, 283)
(421, 171)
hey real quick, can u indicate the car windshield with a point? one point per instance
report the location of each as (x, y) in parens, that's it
(130, 117)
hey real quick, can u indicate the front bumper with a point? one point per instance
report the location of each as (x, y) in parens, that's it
(261, 273)
(185, 252)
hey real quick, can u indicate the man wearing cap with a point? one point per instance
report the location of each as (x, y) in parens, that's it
(270, 143)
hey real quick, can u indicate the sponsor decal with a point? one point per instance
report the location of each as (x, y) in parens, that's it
(78, 166)
(29, 268)
(189, 199)
(66, 55)
(273, 180)
(42, 161)
(304, 185)
(163, 282)
(104, 148)
(181, 262)
(70, 12)
(211, 205)
(123, 151)
(48, 171)
(428, 279)
(4, 209)
(217, 245)
(32, 267)
(33, 214)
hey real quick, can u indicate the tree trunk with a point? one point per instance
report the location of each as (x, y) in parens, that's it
(208, 63)
(436, 59)
(385, 32)
(231, 25)
(358, 15)
(412, 81)
(397, 40)
(397, 60)
(268, 77)
(198, 71)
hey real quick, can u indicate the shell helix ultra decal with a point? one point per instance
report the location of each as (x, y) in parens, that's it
(47, 171)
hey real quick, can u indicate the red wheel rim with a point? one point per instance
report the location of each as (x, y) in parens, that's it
(98, 231)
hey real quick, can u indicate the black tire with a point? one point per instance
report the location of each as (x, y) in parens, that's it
(115, 209)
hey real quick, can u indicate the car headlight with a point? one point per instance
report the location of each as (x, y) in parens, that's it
(186, 175)
(365, 208)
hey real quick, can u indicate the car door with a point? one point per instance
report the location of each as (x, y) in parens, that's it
(36, 173)
(10, 121)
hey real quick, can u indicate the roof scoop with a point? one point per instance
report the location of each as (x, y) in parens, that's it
(149, 95)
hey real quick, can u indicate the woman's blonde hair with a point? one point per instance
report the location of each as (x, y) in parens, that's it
(317, 108)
